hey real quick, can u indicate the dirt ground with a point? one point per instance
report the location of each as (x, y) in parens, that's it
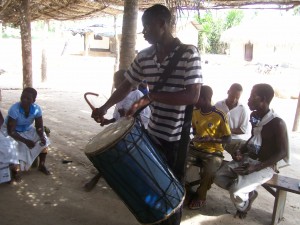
(59, 199)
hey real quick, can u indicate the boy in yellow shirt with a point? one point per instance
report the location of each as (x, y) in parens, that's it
(211, 130)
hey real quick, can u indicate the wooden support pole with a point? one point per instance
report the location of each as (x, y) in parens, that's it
(87, 43)
(0, 29)
(25, 27)
(128, 40)
(117, 44)
(44, 52)
(117, 50)
(297, 116)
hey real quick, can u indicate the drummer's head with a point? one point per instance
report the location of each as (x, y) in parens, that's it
(119, 78)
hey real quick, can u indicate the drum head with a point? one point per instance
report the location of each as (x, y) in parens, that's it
(109, 136)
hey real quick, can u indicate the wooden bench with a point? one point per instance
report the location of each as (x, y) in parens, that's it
(278, 186)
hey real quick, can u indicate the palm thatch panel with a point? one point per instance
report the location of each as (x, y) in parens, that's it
(82, 9)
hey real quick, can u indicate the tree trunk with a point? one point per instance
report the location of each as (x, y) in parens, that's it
(26, 42)
(44, 52)
(117, 51)
(117, 44)
(128, 40)
(0, 29)
(173, 11)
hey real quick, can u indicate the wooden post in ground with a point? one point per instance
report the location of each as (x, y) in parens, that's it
(297, 116)
(25, 27)
(44, 52)
(86, 43)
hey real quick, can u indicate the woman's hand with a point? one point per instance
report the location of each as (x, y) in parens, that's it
(29, 143)
(42, 140)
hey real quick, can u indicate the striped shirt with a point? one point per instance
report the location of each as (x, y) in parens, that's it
(166, 120)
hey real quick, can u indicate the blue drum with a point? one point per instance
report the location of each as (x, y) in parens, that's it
(123, 153)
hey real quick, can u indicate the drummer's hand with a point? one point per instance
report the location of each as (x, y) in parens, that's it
(98, 114)
(137, 105)
(106, 122)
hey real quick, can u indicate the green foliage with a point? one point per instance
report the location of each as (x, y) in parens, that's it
(233, 18)
(296, 10)
(212, 28)
(10, 32)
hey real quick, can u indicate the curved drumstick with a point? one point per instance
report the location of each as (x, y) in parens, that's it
(86, 99)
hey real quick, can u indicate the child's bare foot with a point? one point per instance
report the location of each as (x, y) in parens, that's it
(44, 170)
(16, 177)
(240, 214)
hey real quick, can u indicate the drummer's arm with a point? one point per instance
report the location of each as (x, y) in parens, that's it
(188, 96)
(119, 94)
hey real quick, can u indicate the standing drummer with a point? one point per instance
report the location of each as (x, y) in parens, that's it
(169, 103)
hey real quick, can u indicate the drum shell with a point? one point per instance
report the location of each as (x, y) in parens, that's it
(136, 172)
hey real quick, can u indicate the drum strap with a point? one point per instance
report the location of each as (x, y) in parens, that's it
(170, 67)
(184, 143)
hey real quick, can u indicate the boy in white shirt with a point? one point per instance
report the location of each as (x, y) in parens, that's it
(238, 117)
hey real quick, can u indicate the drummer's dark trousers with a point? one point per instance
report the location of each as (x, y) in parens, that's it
(175, 154)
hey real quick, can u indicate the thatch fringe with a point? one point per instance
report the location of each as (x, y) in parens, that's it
(82, 9)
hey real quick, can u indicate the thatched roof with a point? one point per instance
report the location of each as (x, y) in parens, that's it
(81, 9)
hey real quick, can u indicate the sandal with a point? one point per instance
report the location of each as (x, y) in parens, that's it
(197, 204)
(44, 170)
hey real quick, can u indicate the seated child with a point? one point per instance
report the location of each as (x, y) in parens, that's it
(211, 130)
(122, 106)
